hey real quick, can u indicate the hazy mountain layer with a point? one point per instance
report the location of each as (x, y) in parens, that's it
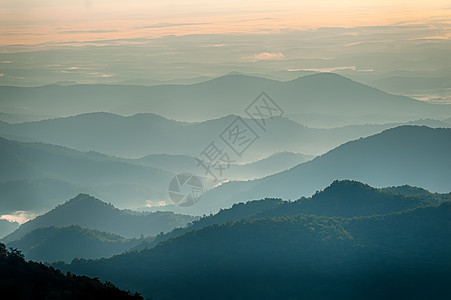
(36, 177)
(183, 163)
(323, 93)
(143, 134)
(50, 244)
(6, 227)
(418, 156)
(89, 212)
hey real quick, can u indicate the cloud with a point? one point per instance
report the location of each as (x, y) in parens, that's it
(334, 69)
(150, 203)
(101, 75)
(71, 70)
(165, 25)
(265, 56)
(86, 31)
(19, 216)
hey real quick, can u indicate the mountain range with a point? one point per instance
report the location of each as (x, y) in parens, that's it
(340, 199)
(264, 251)
(50, 244)
(229, 94)
(272, 164)
(37, 176)
(89, 212)
(42, 240)
(413, 155)
(144, 134)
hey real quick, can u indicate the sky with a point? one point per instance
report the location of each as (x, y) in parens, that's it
(57, 22)
(153, 42)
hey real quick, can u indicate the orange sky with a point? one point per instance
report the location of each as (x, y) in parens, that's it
(50, 21)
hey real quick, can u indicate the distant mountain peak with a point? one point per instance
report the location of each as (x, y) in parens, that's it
(97, 114)
(229, 117)
(347, 187)
(85, 200)
(238, 78)
(89, 212)
(149, 116)
(239, 75)
(405, 128)
(348, 183)
(327, 78)
(82, 197)
(343, 187)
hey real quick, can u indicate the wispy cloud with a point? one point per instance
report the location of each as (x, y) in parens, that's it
(101, 75)
(19, 216)
(166, 25)
(85, 31)
(150, 203)
(334, 69)
(71, 70)
(265, 56)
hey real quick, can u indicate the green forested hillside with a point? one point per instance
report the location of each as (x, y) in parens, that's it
(351, 199)
(50, 244)
(344, 198)
(402, 254)
(268, 249)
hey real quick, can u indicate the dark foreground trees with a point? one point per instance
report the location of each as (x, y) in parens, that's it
(20, 279)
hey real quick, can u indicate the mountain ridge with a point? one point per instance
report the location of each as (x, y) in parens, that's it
(50, 244)
(343, 199)
(194, 102)
(25, 165)
(92, 213)
(114, 134)
(395, 157)
(321, 256)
